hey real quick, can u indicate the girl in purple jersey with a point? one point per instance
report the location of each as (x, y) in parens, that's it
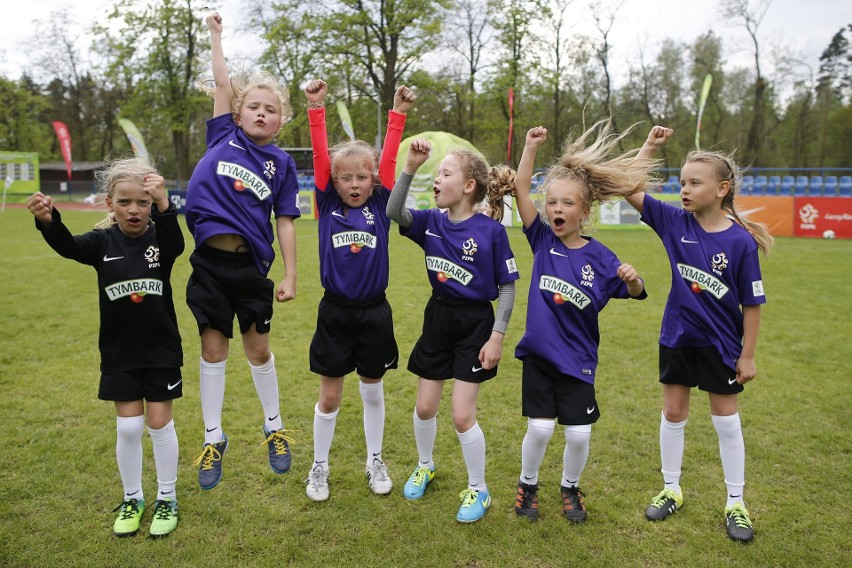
(133, 251)
(354, 319)
(573, 278)
(469, 264)
(236, 187)
(710, 325)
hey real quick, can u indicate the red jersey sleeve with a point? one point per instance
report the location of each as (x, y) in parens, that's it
(393, 137)
(319, 143)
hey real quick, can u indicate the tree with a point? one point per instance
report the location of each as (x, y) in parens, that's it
(750, 17)
(469, 35)
(21, 126)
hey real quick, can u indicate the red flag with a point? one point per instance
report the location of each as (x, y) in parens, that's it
(511, 123)
(64, 142)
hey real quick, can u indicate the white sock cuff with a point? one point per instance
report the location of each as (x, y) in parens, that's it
(541, 423)
(163, 433)
(130, 426)
(323, 416)
(212, 367)
(420, 423)
(267, 367)
(472, 435)
(727, 426)
(370, 388)
(578, 428)
(673, 425)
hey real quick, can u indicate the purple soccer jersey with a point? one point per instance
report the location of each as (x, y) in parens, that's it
(353, 244)
(237, 186)
(713, 274)
(568, 288)
(465, 260)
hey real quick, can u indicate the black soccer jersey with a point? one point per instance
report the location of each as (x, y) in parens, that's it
(138, 325)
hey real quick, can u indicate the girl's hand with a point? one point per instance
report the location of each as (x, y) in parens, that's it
(418, 152)
(316, 91)
(41, 206)
(403, 99)
(658, 137)
(746, 370)
(536, 137)
(155, 186)
(214, 23)
(492, 351)
(627, 273)
(286, 290)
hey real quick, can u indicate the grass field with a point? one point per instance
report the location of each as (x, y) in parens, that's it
(59, 481)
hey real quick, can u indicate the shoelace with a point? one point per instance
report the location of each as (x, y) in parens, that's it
(740, 517)
(525, 499)
(573, 499)
(163, 511)
(317, 477)
(660, 499)
(128, 509)
(420, 476)
(379, 472)
(208, 455)
(468, 497)
(278, 438)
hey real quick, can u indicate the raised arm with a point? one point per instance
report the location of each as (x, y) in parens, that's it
(315, 92)
(403, 100)
(657, 138)
(523, 178)
(418, 152)
(224, 92)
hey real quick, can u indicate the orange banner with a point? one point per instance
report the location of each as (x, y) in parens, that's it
(775, 211)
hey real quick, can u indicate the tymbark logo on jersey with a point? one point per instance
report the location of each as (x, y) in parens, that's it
(705, 280)
(138, 287)
(563, 291)
(448, 270)
(244, 179)
(355, 240)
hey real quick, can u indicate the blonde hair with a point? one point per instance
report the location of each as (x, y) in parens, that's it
(357, 150)
(492, 185)
(726, 169)
(126, 169)
(244, 81)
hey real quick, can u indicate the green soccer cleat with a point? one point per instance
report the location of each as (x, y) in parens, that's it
(165, 517)
(664, 505)
(739, 525)
(129, 517)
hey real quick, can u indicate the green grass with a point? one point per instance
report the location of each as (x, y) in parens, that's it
(59, 481)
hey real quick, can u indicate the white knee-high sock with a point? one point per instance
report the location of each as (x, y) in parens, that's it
(165, 443)
(533, 447)
(732, 451)
(424, 435)
(577, 441)
(473, 450)
(266, 384)
(128, 454)
(211, 382)
(671, 451)
(373, 397)
(324, 425)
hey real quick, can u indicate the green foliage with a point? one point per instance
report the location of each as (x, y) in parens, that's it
(59, 481)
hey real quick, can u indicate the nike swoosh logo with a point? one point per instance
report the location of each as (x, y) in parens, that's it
(172, 386)
(686, 241)
(336, 214)
(266, 322)
(211, 429)
(590, 410)
(731, 381)
(235, 145)
(166, 492)
(748, 212)
(552, 251)
(387, 365)
(431, 234)
(109, 258)
(273, 418)
(134, 493)
(475, 369)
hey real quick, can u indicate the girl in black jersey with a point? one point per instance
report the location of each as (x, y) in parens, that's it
(133, 251)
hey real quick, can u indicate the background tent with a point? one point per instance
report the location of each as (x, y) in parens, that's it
(442, 142)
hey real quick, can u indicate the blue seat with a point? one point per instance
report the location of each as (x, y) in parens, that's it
(815, 185)
(844, 186)
(801, 187)
(829, 186)
(787, 184)
(747, 185)
(672, 185)
(759, 185)
(774, 184)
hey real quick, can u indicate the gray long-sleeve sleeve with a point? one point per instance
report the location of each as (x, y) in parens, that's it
(396, 209)
(505, 304)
